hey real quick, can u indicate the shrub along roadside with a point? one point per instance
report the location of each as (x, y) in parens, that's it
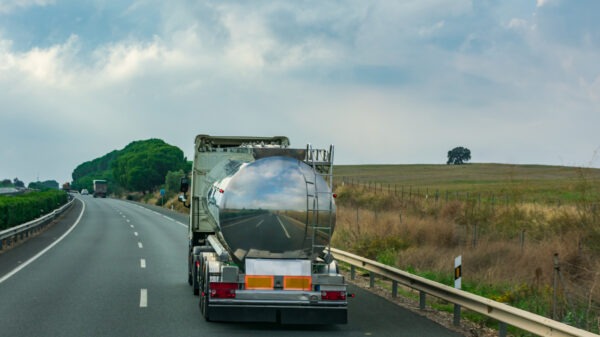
(15, 210)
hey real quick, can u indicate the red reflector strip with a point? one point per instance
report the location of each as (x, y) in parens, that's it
(223, 285)
(333, 295)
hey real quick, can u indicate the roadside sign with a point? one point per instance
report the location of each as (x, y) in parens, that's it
(162, 191)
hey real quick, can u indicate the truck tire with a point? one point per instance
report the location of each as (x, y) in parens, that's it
(190, 264)
(195, 272)
(204, 297)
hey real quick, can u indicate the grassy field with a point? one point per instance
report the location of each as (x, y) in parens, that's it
(520, 182)
(507, 248)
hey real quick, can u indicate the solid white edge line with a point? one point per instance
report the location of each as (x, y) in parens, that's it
(143, 298)
(143, 263)
(36, 256)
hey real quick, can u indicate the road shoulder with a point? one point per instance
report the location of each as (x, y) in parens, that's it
(13, 257)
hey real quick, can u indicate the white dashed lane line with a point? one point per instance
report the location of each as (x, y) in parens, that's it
(131, 226)
(143, 298)
(135, 233)
(140, 245)
(127, 220)
(282, 226)
(143, 263)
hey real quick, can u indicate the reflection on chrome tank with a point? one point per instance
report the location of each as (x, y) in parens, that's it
(265, 208)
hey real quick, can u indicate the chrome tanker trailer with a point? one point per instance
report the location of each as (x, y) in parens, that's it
(261, 219)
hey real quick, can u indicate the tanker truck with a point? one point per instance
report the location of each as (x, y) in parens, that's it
(261, 219)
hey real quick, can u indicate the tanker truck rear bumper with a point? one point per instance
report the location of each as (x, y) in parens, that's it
(284, 314)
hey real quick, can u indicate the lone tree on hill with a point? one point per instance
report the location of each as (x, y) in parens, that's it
(18, 183)
(458, 155)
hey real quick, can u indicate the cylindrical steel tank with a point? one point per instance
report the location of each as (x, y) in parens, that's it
(268, 208)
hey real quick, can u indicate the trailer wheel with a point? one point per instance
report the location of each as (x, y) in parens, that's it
(204, 297)
(195, 273)
(190, 264)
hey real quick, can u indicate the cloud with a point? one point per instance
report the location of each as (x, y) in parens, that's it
(541, 3)
(387, 82)
(7, 6)
(517, 23)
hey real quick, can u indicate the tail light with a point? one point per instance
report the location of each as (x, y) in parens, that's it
(333, 295)
(223, 290)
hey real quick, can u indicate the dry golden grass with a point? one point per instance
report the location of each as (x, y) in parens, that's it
(425, 236)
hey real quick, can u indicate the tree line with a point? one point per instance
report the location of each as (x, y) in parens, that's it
(37, 185)
(141, 166)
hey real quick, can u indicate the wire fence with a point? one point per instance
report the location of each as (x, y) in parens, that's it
(418, 192)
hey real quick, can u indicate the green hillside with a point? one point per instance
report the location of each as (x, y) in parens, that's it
(529, 182)
(140, 166)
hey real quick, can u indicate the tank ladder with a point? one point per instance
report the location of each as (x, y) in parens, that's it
(321, 162)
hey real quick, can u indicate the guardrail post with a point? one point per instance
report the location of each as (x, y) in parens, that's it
(456, 315)
(394, 289)
(371, 280)
(502, 329)
(352, 272)
(422, 297)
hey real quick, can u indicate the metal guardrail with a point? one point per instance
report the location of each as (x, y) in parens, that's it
(505, 314)
(23, 231)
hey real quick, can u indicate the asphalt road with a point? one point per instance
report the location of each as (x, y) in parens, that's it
(122, 271)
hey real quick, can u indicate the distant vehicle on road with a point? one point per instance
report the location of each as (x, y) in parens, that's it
(84, 192)
(100, 188)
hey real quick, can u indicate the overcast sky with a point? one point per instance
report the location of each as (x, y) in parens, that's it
(515, 81)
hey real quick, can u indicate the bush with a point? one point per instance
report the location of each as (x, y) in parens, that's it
(15, 210)
(173, 180)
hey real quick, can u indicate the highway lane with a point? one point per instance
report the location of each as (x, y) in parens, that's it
(93, 283)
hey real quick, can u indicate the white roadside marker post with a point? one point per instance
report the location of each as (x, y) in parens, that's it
(457, 285)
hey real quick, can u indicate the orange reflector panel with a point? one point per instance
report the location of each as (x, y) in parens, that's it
(297, 283)
(259, 282)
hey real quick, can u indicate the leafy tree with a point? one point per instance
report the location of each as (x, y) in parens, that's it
(173, 180)
(122, 175)
(18, 183)
(44, 185)
(6, 183)
(458, 155)
(145, 169)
